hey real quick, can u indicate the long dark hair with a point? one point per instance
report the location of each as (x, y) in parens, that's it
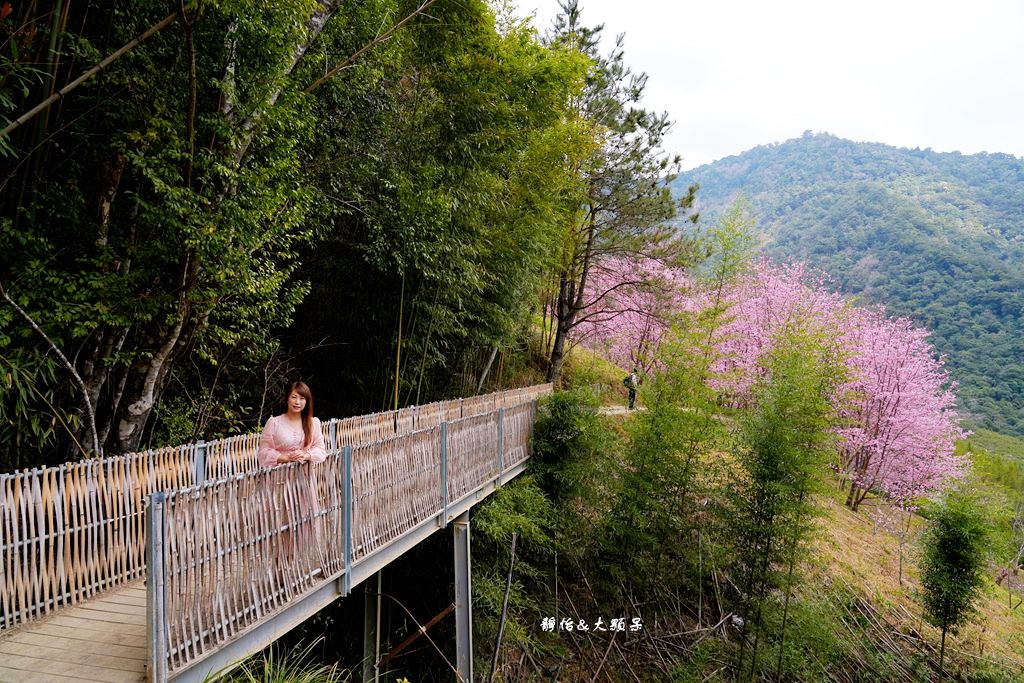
(302, 390)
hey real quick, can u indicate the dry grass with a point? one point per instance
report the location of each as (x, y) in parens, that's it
(852, 551)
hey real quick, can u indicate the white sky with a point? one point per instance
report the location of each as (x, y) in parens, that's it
(734, 74)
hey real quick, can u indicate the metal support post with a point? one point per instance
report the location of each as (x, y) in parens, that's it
(501, 443)
(156, 618)
(444, 474)
(346, 518)
(200, 461)
(371, 630)
(463, 600)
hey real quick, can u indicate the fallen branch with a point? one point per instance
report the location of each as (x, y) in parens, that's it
(600, 665)
(626, 662)
(420, 631)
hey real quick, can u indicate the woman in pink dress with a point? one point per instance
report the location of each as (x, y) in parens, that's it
(295, 435)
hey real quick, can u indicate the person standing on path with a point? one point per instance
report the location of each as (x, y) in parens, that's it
(295, 549)
(631, 383)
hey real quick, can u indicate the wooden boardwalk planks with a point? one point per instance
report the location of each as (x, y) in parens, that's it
(103, 639)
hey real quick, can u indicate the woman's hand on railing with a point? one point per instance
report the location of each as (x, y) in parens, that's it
(293, 456)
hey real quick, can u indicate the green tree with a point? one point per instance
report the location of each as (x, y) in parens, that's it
(167, 208)
(784, 442)
(441, 168)
(155, 214)
(952, 564)
(623, 202)
(666, 475)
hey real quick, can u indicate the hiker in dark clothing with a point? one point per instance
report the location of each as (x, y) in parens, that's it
(631, 382)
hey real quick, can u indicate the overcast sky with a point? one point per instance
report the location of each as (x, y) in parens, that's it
(734, 74)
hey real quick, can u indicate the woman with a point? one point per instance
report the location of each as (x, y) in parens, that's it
(295, 435)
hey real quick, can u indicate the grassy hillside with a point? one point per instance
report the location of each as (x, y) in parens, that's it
(857, 608)
(858, 571)
(935, 237)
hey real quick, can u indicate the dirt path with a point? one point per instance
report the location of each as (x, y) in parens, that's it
(616, 410)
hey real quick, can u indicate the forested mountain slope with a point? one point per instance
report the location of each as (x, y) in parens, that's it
(937, 237)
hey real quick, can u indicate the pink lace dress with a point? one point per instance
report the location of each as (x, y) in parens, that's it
(281, 438)
(297, 544)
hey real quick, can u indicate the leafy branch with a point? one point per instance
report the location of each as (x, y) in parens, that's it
(68, 364)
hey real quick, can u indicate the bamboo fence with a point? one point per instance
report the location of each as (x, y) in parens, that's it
(237, 549)
(70, 532)
(471, 449)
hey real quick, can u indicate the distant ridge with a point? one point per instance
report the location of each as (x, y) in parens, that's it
(938, 237)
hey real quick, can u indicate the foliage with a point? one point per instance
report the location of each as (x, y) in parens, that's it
(900, 424)
(628, 308)
(441, 172)
(164, 223)
(660, 509)
(653, 513)
(785, 440)
(519, 508)
(568, 438)
(895, 411)
(623, 202)
(155, 213)
(30, 420)
(997, 477)
(293, 667)
(936, 237)
(952, 564)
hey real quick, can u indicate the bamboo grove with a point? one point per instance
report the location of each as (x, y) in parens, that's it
(202, 198)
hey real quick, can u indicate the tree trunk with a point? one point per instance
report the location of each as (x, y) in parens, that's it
(557, 355)
(565, 318)
(942, 655)
(144, 385)
(487, 369)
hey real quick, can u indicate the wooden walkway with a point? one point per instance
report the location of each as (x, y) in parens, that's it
(235, 555)
(101, 640)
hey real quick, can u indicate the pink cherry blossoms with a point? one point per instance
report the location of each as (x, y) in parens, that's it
(901, 423)
(632, 303)
(897, 421)
(898, 424)
(759, 305)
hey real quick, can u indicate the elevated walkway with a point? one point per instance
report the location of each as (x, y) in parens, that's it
(103, 639)
(234, 556)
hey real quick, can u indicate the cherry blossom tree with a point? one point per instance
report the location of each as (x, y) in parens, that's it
(761, 303)
(901, 421)
(631, 303)
(898, 418)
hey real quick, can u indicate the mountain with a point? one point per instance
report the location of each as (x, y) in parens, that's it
(937, 237)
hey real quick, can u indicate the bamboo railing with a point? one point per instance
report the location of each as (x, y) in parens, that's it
(227, 553)
(70, 532)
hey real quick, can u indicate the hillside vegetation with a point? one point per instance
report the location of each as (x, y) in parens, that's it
(606, 529)
(935, 237)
